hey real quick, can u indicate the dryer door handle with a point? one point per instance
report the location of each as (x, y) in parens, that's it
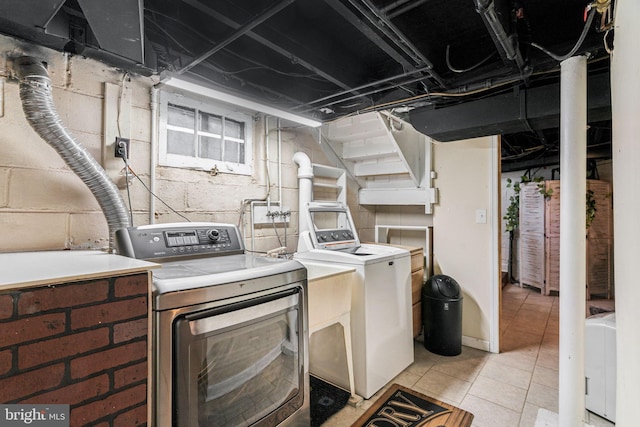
(234, 314)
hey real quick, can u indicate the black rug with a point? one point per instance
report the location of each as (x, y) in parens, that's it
(326, 400)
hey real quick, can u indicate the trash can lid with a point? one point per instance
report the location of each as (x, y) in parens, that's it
(442, 285)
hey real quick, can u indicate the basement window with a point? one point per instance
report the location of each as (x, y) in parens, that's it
(203, 134)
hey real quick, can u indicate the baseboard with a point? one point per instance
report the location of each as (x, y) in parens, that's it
(475, 343)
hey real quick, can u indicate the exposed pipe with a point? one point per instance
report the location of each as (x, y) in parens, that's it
(508, 44)
(305, 187)
(573, 248)
(264, 157)
(402, 10)
(393, 5)
(572, 52)
(370, 84)
(243, 30)
(384, 24)
(152, 154)
(278, 124)
(39, 109)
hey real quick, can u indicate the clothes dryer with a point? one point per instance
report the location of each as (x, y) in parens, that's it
(229, 329)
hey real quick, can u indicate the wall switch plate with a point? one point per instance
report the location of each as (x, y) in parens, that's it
(481, 216)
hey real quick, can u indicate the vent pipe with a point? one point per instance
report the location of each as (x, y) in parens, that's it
(305, 187)
(37, 103)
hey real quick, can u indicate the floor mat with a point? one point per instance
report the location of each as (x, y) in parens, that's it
(326, 400)
(414, 409)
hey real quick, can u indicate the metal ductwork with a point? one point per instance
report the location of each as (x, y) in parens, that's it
(119, 28)
(37, 103)
(523, 111)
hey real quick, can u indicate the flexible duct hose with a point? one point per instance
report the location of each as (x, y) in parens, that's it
(37, 103)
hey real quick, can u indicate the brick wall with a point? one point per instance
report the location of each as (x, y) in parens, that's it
(84, 344)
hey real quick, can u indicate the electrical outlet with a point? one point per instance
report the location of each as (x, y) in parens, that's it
(122, 148)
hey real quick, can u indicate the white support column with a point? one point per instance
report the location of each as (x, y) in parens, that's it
(625, 92)
(573, 155)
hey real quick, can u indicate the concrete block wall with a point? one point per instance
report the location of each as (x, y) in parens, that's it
(84, 344)
(45, 206)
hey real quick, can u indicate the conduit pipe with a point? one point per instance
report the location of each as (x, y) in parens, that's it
(305, 187)
(152, 154)
(486, 8)
(39, 109)
(278, 124)
(573, 248)
(263, 154)
(267, 153)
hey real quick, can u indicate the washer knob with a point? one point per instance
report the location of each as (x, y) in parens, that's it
(213, 235)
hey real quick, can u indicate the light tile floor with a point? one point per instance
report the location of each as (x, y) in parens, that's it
(501, 390)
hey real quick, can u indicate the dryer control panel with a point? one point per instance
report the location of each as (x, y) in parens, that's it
(179, 240)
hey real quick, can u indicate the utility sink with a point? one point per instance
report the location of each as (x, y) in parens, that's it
(330, 303)
(329, 293)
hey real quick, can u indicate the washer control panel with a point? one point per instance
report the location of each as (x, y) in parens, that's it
(334, 235)
(179, 240)
(330, 227)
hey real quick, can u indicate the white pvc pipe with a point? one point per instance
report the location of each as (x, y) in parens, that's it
(152, 154)
(625, 92)
(278, 124)
(267, 155)
(573, 187)
(305, 187)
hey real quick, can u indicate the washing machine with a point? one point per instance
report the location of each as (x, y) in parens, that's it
(381, 315)
(600, 365)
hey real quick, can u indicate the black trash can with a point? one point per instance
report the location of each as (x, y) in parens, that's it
(442, 315)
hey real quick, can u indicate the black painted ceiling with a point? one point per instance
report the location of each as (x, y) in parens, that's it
(328, 58)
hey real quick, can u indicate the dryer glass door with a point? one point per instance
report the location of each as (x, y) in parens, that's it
(240, 364)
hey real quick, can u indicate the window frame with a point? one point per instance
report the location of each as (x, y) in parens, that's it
(209, 106)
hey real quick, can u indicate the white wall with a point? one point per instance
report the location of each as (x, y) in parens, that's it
(465, 250)
(467, 180)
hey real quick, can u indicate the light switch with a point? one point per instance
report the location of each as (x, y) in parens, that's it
(481, 216)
